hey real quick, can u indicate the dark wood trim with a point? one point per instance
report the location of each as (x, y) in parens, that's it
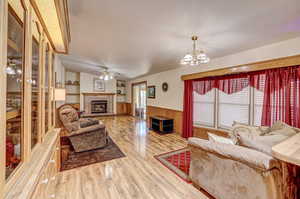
(250, 67)
(169, 109)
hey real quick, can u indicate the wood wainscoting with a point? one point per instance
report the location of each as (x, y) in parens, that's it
(200, 132)
(165, 112)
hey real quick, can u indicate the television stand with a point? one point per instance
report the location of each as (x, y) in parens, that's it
(161, 124)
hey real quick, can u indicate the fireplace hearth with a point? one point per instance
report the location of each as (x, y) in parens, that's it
(99, 106)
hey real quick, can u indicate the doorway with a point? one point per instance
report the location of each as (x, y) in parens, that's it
(139, 100)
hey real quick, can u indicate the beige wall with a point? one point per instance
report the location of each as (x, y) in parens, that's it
(173, 98)
(87, 83)
(60, 74)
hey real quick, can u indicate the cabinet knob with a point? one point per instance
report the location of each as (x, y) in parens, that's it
(52, 161)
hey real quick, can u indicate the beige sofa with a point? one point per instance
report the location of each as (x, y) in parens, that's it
(228, 171)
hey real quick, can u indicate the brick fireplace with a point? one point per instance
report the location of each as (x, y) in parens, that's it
(98, 103)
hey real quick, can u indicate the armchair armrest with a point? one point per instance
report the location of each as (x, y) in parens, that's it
(88, 129)
(244, 155)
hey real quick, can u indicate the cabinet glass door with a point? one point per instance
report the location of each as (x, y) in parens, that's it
(14, 93)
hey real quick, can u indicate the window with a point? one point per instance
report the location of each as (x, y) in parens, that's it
(234, 107)
(204, 108)
(14, 95)
(258, 102)
(35, 92)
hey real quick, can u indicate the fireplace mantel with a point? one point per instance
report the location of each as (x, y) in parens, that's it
(95, 93)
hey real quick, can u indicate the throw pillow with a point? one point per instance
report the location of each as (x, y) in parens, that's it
(215, 138)
(261, 143)
(241, 127)
(278, 125)
(287, 131)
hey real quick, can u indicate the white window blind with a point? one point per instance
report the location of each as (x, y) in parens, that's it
(234, 107)
(258, 102)
(204, 108)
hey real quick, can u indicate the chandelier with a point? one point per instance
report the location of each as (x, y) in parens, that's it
(105, 75)
(196, 57)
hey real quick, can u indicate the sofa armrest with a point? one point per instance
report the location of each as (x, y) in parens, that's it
(241, 154)
(88, 129)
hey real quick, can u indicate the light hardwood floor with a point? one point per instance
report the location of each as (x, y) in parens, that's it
(138, 175)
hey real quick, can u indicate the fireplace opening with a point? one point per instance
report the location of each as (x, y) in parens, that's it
(99, 106)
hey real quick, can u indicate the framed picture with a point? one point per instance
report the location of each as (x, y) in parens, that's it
(151, 92)
(99, 85)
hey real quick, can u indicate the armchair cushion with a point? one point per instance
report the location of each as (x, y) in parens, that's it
(85, 122)
(72, 126)
(241, 154)
(87, 129)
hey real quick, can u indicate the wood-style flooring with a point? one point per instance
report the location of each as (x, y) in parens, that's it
(138, 175)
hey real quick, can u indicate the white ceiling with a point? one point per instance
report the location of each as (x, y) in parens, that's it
(138, 37)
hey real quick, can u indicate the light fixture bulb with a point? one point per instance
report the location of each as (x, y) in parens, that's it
(10, 71)
(106, 77)
(196, 57)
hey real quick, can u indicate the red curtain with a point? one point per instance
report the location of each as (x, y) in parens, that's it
(282, 96)
(187, 126)
(281, 89)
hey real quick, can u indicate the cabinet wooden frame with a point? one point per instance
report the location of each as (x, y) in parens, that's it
(27, 151)
(24, 126)
(3, 61)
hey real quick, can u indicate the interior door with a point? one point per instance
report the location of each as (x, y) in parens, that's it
(139, 100)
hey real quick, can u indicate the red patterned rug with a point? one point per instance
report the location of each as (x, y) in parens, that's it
(177, 161)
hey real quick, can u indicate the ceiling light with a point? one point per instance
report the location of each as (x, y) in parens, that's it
(105, 75)
(196, 57)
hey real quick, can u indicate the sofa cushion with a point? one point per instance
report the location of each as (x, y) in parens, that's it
(215, 138)
(261, 143)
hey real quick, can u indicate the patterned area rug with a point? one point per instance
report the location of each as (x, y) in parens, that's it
(75, 160)
(177, 161)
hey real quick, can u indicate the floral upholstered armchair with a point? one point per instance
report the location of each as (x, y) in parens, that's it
(84, 133)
